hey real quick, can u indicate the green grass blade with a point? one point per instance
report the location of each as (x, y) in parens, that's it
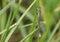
(11, 32)
(55, 29)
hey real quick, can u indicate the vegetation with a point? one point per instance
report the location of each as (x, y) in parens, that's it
(29, 20)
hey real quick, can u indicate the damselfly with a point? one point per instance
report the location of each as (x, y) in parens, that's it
(39, 24)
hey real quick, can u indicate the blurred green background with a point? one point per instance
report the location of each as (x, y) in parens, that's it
(20, 22)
